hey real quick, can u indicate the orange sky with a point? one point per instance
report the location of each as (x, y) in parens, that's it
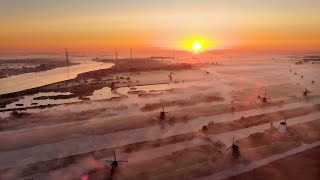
(168, 24)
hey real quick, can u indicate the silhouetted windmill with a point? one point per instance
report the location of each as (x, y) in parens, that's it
(114, 163)
(163, 113)
(306, 92)
(265, 98)
(204, 129)
(112, 86)
(234, 149)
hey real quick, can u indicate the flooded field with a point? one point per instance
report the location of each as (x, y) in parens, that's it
(40, 99)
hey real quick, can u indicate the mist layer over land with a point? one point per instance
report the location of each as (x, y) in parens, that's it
(65, 126)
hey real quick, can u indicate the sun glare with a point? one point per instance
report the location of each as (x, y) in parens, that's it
(196, 46)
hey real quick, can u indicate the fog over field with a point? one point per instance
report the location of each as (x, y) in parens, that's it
(67, 128)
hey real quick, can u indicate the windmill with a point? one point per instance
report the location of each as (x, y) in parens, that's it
(112, 86)
(306, 92)
(265, 98)
(114, 163)
(283, 125)
(234, 149)
(163, 113)
(204, 129)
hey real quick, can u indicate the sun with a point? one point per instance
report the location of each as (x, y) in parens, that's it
(196, 46)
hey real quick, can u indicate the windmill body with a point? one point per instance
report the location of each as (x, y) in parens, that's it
(114, 164)
(162, 114)
(265, 98)
(112, 86)
(235, 150)
(283, 126)
(306, 92)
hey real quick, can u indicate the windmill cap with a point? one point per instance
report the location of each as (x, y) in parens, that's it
(283, 123)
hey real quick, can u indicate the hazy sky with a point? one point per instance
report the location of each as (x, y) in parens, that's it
(152, 24)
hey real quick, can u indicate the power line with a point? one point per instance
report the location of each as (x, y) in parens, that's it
(67, 56)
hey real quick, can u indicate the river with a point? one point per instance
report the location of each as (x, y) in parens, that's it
(32, 80)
